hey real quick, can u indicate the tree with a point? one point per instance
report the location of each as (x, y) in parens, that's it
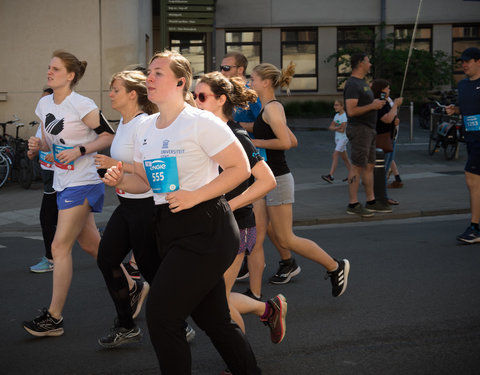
(425, 72)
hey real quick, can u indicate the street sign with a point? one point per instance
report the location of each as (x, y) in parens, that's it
(189, 21)
(191, 29)
(190, 8)
(191, 2)
(208, 16)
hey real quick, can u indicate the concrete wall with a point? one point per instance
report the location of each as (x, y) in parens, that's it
(108, 34)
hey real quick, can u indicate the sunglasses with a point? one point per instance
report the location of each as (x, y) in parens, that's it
(226, 68)
(202, 97)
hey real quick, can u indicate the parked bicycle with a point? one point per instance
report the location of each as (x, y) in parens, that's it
(436, 101)
(14, 162)
(446, 132)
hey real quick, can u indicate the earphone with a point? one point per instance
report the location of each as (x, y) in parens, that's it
(180, 83)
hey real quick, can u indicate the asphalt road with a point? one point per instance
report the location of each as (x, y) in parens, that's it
(411, 307)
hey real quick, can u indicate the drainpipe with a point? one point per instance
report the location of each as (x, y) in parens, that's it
(382, 19)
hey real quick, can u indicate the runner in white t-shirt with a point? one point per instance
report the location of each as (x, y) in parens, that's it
(131, 225)
(196, 233)
(73, 129)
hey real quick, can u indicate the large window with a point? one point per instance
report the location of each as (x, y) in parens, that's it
(351, 40)
(192, 46)
(249, 43)
(300, 46)
(423, 38)
(463, 36)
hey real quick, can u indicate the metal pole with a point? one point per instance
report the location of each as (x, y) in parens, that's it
(431, 120)
(411, 121)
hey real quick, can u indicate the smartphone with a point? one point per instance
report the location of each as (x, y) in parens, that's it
(382, 95)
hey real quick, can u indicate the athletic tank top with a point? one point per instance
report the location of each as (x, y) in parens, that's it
(275, 158)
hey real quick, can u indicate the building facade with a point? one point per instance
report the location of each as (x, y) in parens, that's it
(114, 34)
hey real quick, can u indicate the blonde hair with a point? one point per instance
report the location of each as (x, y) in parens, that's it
(181, 67)
(72, 64)
(233, 88)
(278, 78)
(135, 80)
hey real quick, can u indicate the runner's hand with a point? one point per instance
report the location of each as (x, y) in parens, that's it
(181, 200)
(114, 175)
(104, 162)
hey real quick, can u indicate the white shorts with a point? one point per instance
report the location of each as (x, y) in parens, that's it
(341, 144)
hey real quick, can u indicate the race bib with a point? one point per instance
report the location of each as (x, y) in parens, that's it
(56, 150)
(162, 174)
(42, 159)
(472, 123)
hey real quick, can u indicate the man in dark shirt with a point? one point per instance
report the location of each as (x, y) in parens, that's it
(361, 109)
(469, 108)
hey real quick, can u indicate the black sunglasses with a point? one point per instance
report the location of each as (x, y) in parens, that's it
(226, 68)
(202, 96)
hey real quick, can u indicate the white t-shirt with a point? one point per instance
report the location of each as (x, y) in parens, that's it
(63, 127)
(193, 138)
(123, 146)
(339, 119)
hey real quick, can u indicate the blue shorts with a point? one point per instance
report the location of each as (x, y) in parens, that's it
(76, 195)
(473, 162)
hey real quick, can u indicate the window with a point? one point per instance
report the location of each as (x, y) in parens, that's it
(351, 40)
(300, 46)
(249, 43)
(423, 38)
(192, 46)
(463, 36)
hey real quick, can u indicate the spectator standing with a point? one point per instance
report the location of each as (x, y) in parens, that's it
(361, 108)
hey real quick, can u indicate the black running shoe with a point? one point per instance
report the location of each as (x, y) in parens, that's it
(339, 277)
(119, 336)
(276, 321)
(286, 270)
(243, 273)
(137, 296)
(250, 294)
(44, 325)
(132, 271)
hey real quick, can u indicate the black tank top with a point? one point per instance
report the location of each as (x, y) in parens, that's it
(275, 158)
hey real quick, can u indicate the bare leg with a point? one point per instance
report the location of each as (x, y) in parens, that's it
(230, 275)
(281, 219)
(256, 259)
(473, 184)
(354, 183)
(367, 180)
(334, 162)
(72, 223)
(346, 160)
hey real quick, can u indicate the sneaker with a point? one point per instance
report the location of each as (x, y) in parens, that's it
(378, 207)
(243, 273)
(189, 332)
(250, 294)
(44, 325)
(328, 178)
(359, 210)
(137, 296)
(276, 321)
(119, 336)
(286, 270)
(471, 235)
(132, 271)
(339, 277)
(43, 266)
(395, 185)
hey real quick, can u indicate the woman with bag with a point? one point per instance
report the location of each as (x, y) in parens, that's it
(385, 124)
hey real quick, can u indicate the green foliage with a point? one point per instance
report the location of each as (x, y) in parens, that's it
(308, 108)
(425, 71)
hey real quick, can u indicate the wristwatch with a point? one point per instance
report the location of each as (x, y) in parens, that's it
(82, 150)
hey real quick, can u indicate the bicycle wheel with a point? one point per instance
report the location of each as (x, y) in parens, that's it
(433, 144)
(450, 149)
(4, 169)
(25, 173)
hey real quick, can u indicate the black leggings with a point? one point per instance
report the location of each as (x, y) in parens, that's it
(130, 228)
(197, 246)
(48, 212)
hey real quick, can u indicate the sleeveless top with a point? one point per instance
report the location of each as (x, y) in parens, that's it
(275, 158)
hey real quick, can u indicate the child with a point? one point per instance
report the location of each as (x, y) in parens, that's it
(338, 125)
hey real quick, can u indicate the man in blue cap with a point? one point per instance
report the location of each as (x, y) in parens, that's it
(469, 107)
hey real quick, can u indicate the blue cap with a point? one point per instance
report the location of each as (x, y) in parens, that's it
(470, 53)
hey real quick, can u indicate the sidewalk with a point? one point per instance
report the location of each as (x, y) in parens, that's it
(432, 185)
